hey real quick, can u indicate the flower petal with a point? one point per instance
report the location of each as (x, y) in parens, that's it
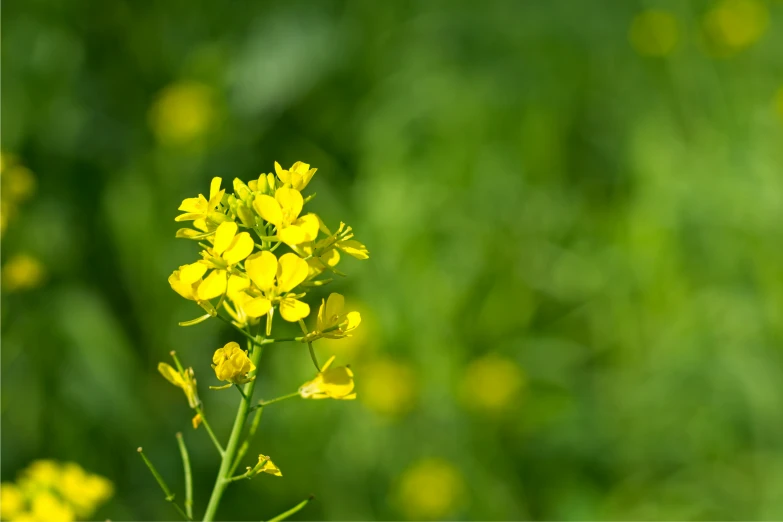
(171, 375)
(257, 307)
(334, 307)
(309, 224)
(291, 272)
(292, 309)
(291, 202)
(195, 205)
(223, 236)
(213, 286)
(214, 188)
(268, 208)
(191, 273)
(241, 247)
(292, 235)
(354, 248)
(262, 268)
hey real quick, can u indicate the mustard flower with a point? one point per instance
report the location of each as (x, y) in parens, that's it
(297, 177)
(185, 380)
(84, 491)
(12, 501)
(267, 466)
(232, 364)
(330, 383)
(202, 211)
(283, 212)
(274, 279)
(228, 249)
(186, 281)
(332, 322)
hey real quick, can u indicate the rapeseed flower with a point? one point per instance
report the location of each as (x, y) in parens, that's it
(232, 364)
(265, 465)
(273, 282)
(332, 322)
(185, 380)
(283, 212)
(330, 383)
(297, 177)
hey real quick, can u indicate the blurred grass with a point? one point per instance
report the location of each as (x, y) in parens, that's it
(574, 304)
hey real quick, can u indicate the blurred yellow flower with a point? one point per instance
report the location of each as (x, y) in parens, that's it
(51, 491)
(232, 364)
(491, 383)
(185, 380)
(18, 182)
(273, 282)
(734, 25)
(22, 272)
(389, 387)
(332, 322)
(330, 383)
(11, 501)
(268, 466)
(83, 490)
(182, 112)
(430, 489)
(283, 212)
(297, 177)
(654, 32)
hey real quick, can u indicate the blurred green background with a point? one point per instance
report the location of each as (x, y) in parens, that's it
(573, 307)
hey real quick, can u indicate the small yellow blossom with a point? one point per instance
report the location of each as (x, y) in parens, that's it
(492, 383)
(83, 490)
(47, 507)
(273, 282)
(430, 489)
(185, 380)
(202, 211)
(267, 466)
(228, 249)
(330, 383)
(22, 272)
(283, 212)
(389, 387)
(182, 112)
(196, 421)
(734, 25)
(12, 501)
(332, 322)
(654, 32)
(232, 364)
(297, 177)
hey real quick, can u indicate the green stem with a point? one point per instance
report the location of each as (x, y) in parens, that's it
(293, 510)
(309, 345)
(246, 443)
(233, 442)
(261, 404)
(166, 491)
(209, 430)
(188, 476)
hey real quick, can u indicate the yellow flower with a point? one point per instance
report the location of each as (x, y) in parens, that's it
(84, 491)
(42, 472)
(232, 364)
(49, 508)
(267, 466)
(332, 322)
(244, 310)
(342, 239)
(734, 25)
(182, 112)
(228, 249)
(334, 383)
(185, 380)
(283, 212)
(265, 184)
(202, 211)
(22, 272)
(389, 387)
(654, 33)
(492, 383)
(186, 280)
(297, 177)
(12, 501)
(273, 282)
(430, 489)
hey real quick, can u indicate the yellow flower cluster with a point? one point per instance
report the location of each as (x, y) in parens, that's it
(239, 233)
(53, 492)
(232, 364)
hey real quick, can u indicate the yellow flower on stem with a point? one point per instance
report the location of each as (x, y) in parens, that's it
(202, 211)
(297, 177)
(185, 380)
(283, 212)
(273, 280)
(330, 383)
(332, 322)
(265, 465)
(228, 249)
(232, 364)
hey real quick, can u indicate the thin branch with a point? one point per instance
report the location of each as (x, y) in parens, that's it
(188, 476)
(293, 510)
(166, 491)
